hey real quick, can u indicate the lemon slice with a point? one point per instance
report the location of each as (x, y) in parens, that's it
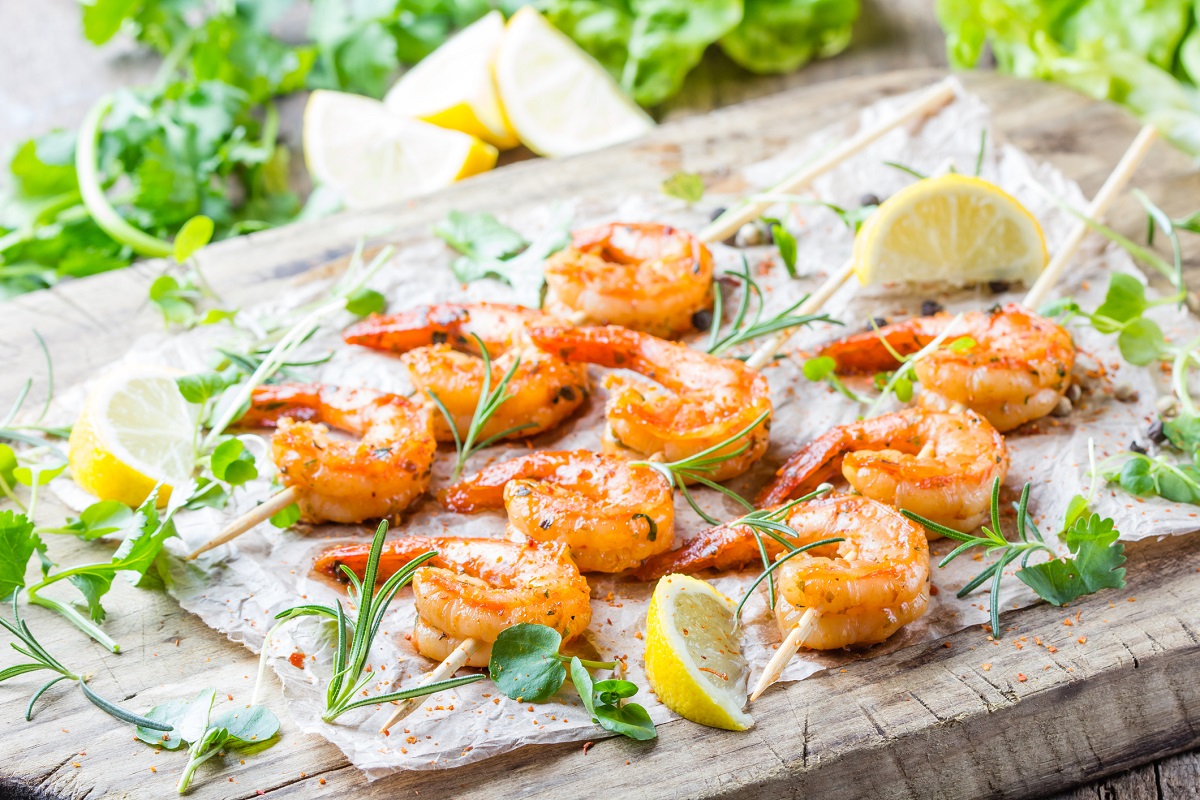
(559, 99)
(952, 229)
(693, 658)
(135, 431)
(372, 156)
(453, 86)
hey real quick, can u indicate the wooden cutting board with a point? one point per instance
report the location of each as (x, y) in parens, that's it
(961, 717)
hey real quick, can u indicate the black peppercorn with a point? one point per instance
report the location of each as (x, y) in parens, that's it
(931, 307)
(702, 319)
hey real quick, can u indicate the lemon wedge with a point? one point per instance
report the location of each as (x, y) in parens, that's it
(953, 229)
(372, 156)
(135, 431)
(558, 98)
(453, 86)
(694, 661)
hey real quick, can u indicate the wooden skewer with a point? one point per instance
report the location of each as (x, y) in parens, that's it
(1108, 192)
(1096, 210)
(461, 655)
(932, 100)
(786, 650)
(765, 354)
(260, 513)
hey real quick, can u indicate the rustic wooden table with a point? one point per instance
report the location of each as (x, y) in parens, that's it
(927, 719)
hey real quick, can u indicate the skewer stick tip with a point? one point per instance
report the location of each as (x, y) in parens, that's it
(457, 658)
(786, 650)
(260, 513)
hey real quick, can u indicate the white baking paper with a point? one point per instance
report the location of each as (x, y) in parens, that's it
(237, 589)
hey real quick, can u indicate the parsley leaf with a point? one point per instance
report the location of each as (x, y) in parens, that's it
(1095, 565)
(18, 543)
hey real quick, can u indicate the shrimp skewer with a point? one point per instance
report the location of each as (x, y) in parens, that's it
(440, 346)
(682, 403)
(938, 464)
(1015, 369)
(472, 590)
(612, 513)
(858, 591)
(379, 474)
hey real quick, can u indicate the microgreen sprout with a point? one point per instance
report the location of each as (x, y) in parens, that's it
(746, 327)
(896, 381)
(696, 468)
(489, 402)
(1095, 563)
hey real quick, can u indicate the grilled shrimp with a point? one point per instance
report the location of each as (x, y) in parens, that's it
(378, 475)
(645, 276)
(443, 359)
(866, 588)
(611, 513)
(938, 464)
(1017, 370)
(691, 402)
(475, 588)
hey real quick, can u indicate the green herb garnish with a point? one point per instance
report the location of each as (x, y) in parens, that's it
(746, 328)
(1094, 563)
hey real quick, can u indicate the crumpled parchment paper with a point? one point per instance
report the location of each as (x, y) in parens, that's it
(238, 588)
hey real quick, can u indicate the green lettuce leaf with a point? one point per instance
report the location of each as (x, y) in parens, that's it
(783, 35)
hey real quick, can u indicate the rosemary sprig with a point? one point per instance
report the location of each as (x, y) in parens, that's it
(22, 433)
(746, 330)
(40, 659)
(770, 522)
(490, 401)
(354, 636)
(697, 467)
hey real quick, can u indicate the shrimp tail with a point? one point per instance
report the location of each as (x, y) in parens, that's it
(485, 489)
(814, 463)
(408, 330)
(875, 350)
(396, 553)
(608, 346)
(722, 547)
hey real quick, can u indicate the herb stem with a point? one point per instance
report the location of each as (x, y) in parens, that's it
(72, 616)
(92, 191)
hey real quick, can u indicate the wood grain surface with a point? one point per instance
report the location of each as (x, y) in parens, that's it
(834, 733)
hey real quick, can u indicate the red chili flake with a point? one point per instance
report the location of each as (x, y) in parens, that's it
(1082, 640)
(1021, 677)
(296, 660)
(586, 745)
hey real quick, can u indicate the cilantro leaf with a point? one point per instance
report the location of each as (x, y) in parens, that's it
(195, 234)
(286, 517)
(1096, 563)
(104, 518)
(1183, 431)
(365, 301)
(483, 241)
(135, 556)
(202, 386)
(18, 543)
(233, 463)
(1124, 302)
(686, 186)
(1141, 342)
